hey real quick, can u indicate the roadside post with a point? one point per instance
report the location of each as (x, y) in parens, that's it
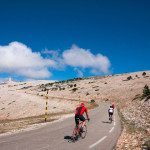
(46, 105)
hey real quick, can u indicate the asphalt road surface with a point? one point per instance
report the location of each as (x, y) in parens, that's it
(101, 135)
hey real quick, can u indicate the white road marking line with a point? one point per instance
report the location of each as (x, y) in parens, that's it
(6, 141)
(114, 123)
(47, 146)
(3, 142)
(111, 129)
(93, 145)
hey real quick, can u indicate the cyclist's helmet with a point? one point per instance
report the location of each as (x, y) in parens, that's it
(82, 104)
(111, 106)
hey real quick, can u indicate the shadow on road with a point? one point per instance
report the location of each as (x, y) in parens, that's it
(106, 122)
(69, 138)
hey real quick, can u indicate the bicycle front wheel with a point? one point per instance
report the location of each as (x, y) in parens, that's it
(84, 132)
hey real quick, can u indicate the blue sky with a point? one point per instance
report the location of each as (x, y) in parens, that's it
(73, 38)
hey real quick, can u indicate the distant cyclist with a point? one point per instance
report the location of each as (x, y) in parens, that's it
(80, 110)
(110, 111)
(113, 105)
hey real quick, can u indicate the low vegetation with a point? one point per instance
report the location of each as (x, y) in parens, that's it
(146, 93)
(144, 74)
(146, 145)
(129, 78)
(92, 101)
(21, 123)
(74, 89)
(26, 87)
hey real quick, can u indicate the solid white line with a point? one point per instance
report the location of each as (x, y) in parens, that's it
(111, 129)
(93, 145)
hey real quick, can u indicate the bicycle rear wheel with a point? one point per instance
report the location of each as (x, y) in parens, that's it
(84, 132)
(74, 138)
(110, 119)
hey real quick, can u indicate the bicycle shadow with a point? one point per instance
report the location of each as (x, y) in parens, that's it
(68, 138)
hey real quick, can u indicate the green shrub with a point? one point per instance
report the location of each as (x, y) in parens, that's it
(71, 85)
(92, 101)
(97, 90)
(74, 89)
(87, 93)
(146, 91)
(136, 76)
(129, 78)
(146, 145)
(44, 89)
(144, 74)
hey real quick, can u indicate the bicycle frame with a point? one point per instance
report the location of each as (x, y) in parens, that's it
(77, 128)
(77, 133)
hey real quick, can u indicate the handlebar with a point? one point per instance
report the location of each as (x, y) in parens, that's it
(87, 119)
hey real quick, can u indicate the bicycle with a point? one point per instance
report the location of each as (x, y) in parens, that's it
(79, 132)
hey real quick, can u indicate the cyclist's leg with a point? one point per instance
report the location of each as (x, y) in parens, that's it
(83, 120)
(83, 124)
(111, 115)
(77, 125)
(83, 128)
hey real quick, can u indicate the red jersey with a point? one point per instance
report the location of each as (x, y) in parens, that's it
(113, 106)
(80, 110)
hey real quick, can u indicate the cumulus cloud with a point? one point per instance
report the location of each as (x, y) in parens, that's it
(52, 53)
(19, 59)
(57, 57)
(79, 57)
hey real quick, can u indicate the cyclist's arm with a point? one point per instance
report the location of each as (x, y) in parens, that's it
(87, 115)
(113, 110)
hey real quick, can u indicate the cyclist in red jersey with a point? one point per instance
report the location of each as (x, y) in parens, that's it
(113, 105)
(80, 110)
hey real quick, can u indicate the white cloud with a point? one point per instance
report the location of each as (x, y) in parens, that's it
(79, 57)
(57, 57)
(19, 59)
(53, 53)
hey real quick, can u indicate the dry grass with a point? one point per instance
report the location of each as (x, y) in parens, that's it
(8, 125)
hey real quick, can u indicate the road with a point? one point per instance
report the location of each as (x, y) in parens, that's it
(101, 135)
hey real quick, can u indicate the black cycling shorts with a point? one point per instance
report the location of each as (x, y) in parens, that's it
(79, 117)
(110, 113)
